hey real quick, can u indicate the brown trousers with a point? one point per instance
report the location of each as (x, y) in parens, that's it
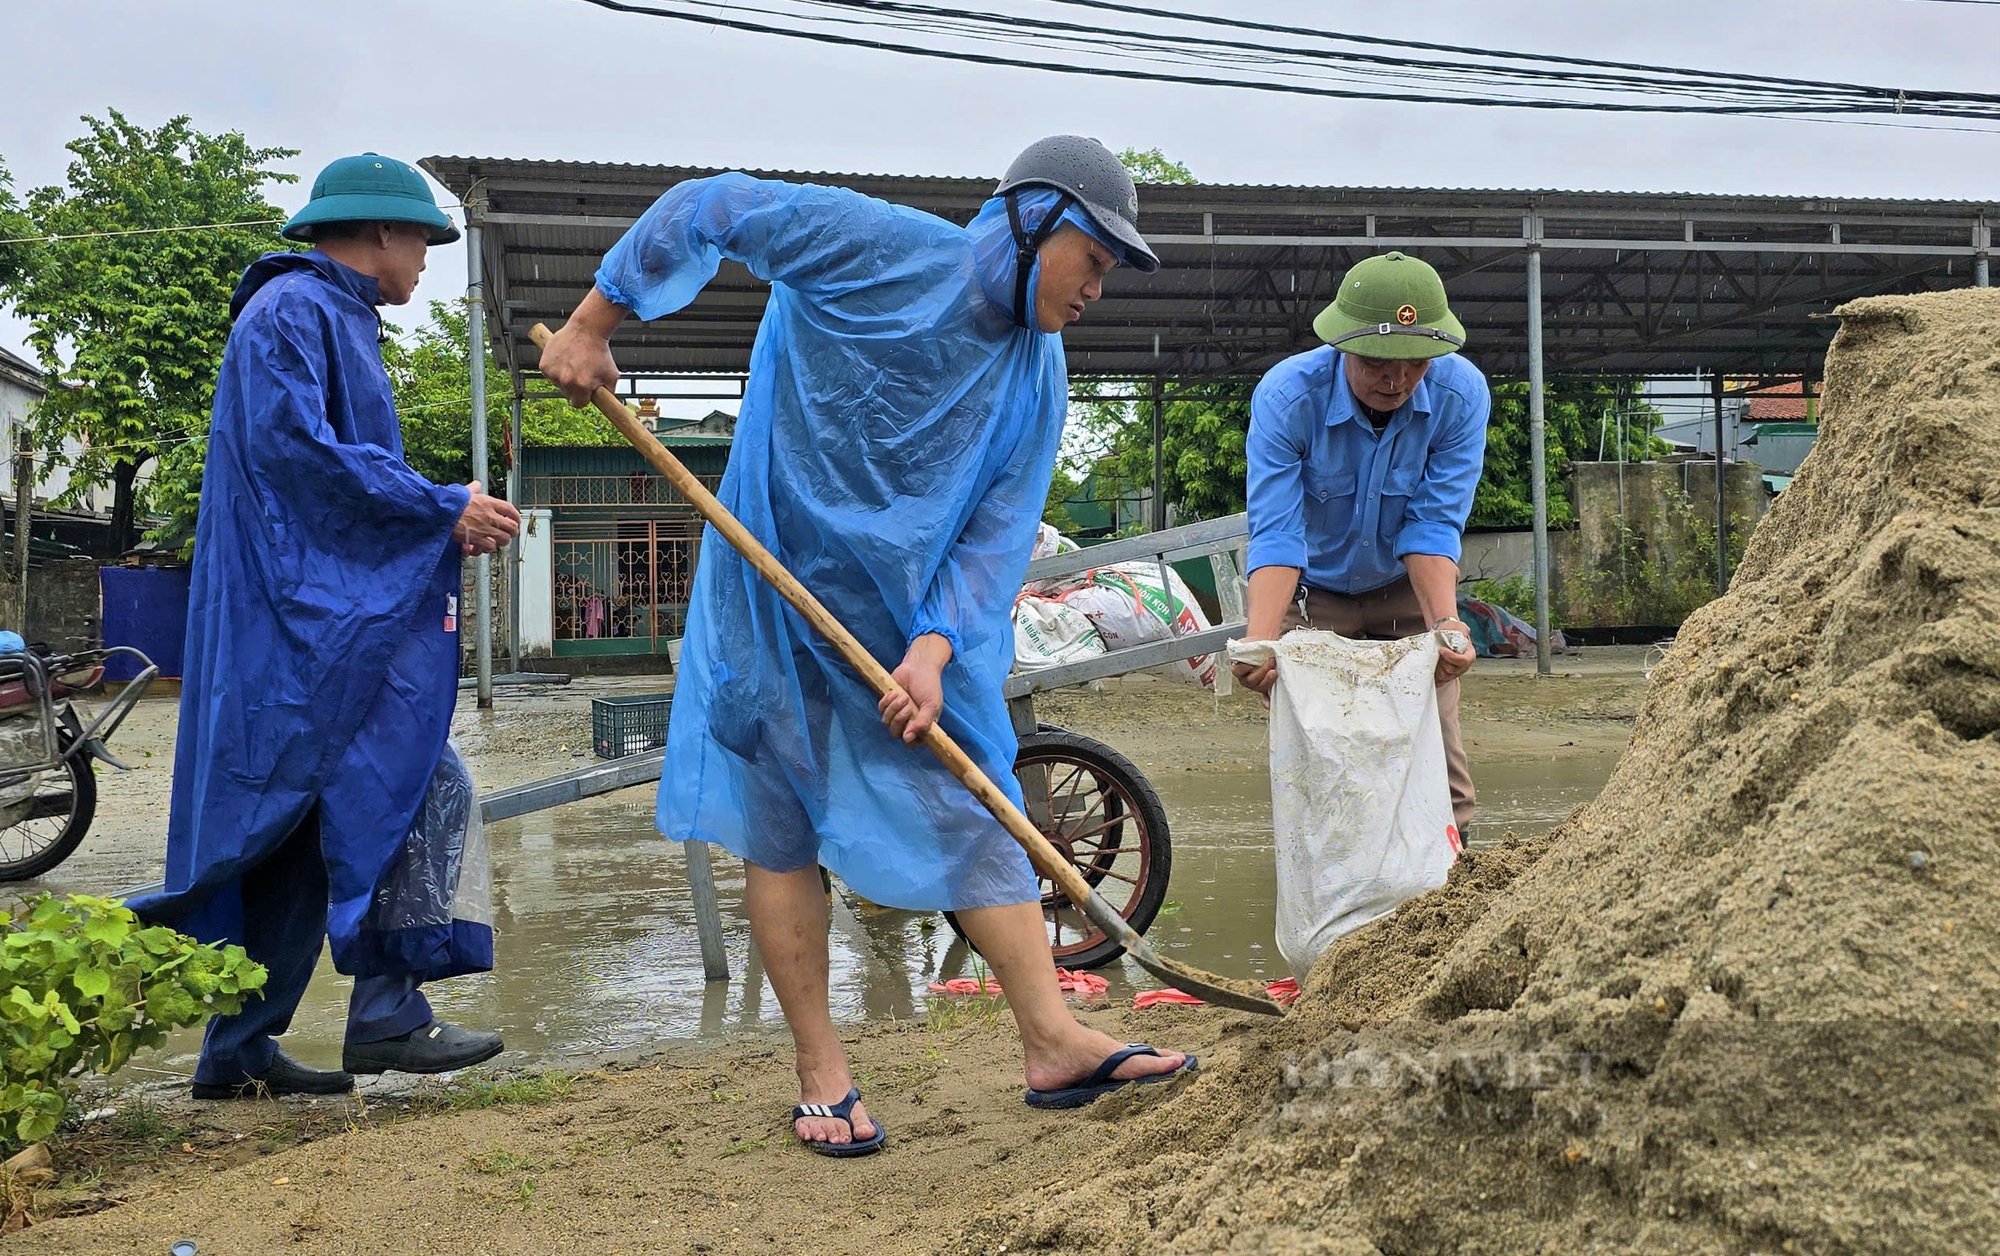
(1389, 614)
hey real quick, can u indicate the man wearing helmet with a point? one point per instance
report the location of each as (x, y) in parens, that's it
(898, 431)
(315, 798)
(1363, 459)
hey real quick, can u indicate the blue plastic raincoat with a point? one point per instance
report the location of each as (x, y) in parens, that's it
(322, 640)
(894, 448)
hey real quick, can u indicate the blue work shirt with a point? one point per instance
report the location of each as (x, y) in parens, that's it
(1332, 497)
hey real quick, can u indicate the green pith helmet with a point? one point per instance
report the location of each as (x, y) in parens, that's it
(1391, 306)
(371, 188)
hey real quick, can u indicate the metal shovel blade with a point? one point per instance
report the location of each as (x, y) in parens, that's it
(1244, 996)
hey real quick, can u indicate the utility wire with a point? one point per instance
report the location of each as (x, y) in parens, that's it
(1464, 51)
(139, 231)
(1497, 79)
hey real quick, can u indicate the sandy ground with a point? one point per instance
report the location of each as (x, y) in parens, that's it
(687, 1149)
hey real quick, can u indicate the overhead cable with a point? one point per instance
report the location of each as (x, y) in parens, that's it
(1351, 68)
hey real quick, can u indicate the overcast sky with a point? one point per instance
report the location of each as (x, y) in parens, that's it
(559, 79)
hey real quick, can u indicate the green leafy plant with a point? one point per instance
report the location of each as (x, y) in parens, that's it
(1515, 594)
(90, 986)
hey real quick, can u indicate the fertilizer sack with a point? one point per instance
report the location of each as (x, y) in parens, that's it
(1129, 605)
(1049, 543)
(1048, 633)
(1360, 806)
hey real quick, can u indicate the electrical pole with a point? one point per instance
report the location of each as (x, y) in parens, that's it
(24, 515)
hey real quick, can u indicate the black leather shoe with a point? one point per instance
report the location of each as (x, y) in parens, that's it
(438, 1047)
(286, 1076)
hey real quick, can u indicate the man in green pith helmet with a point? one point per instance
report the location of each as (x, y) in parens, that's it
(1363, 459)
(315, 796)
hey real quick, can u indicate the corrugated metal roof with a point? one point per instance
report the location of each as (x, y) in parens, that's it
(441, 164)
(1634, 282)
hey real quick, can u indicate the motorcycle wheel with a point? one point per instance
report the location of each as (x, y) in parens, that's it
(58, 814)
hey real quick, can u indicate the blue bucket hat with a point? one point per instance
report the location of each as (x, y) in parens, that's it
(371, 188)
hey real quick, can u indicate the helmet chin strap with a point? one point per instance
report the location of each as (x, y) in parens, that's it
(1028, 246)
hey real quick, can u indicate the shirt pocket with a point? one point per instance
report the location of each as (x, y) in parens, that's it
(1406, 469)
(1400, 481)
(1329, 503)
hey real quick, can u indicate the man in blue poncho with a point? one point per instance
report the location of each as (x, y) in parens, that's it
(314, 795)
(898, 430)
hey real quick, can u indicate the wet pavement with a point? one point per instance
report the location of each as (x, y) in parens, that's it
(596, 949)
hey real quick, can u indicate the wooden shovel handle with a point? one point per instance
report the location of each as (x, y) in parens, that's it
(1046, 859)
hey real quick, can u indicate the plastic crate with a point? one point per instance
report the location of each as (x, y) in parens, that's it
(627, 726)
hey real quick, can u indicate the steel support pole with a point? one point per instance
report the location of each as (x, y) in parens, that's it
(24, 521)
(1721, 508)
(475, 319)
(514, 549)
(1159, 442)
(1538, 459)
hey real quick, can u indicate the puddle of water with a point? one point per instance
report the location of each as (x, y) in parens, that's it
(595, 937)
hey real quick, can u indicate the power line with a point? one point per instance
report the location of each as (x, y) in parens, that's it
(1466, 51)
(1480, 77)
(139, 231)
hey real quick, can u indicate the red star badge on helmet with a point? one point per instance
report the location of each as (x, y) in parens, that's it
(1407, 316)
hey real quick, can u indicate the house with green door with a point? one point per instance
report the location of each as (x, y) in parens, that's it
(608, 546)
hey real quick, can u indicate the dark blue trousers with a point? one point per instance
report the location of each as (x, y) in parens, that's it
(284, 929)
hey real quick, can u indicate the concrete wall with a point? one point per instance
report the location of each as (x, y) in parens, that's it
(1497, 556)
(64, 604)
(538, 589)
(51, 481)
(1653, 561)
(468, 614)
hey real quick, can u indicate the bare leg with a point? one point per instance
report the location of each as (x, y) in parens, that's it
(1058, 1051)
(788, 919)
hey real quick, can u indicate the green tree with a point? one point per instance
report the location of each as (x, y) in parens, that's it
(131, 327)
(1574, 412)
(1111, 442)
(17, 256)
(1202, 459)
(431, 371)
(1153, 166)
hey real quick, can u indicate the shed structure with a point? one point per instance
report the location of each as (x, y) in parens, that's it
(1735, 287)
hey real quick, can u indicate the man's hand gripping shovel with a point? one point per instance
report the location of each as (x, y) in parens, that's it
(1243, 995)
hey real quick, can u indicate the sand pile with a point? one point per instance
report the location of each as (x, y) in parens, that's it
(1743, 1002)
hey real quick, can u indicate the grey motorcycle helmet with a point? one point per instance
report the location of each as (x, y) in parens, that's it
(1089, 176)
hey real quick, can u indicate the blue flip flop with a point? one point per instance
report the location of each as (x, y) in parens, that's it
(842, 1111)
(1100, 1083)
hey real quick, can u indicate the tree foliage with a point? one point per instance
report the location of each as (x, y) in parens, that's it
(131, 327)
(431, 370)
(18, 257)
(1153, 166)
(90, 986)
(1574, 421)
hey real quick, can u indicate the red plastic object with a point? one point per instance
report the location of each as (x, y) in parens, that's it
(1282, 992)
(1090, 985)
(1149, 998)
(966, 985)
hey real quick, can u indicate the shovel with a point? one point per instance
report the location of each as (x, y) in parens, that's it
(1243, 995)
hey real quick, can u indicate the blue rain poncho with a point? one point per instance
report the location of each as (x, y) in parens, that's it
(322, 639)
(893, 449)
